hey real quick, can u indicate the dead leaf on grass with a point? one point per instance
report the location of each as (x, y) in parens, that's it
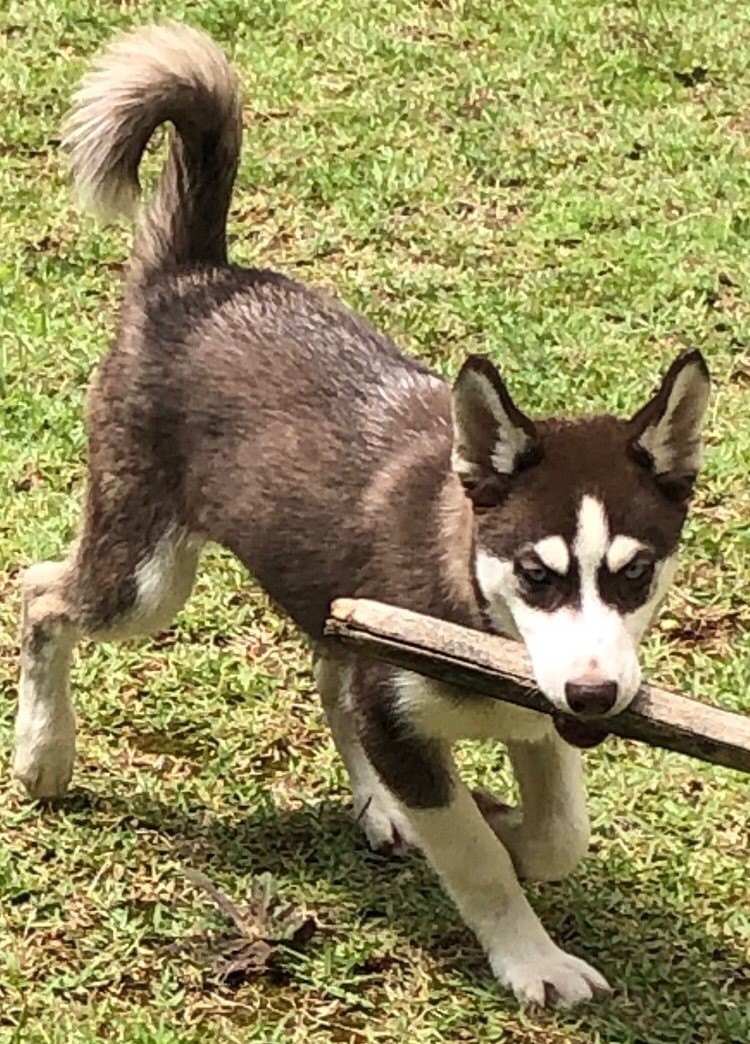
(265, 927)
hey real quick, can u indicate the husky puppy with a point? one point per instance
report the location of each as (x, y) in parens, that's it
(240, 407)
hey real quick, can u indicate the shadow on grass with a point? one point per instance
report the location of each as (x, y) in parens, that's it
(675, 980)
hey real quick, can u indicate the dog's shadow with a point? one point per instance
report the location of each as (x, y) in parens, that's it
(648, 942)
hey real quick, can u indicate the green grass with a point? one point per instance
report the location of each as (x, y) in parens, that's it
(563, 185)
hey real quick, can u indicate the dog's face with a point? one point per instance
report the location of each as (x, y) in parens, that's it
(577, 525)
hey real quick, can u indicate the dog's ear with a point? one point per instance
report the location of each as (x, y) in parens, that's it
(492, 439)
(666, 433)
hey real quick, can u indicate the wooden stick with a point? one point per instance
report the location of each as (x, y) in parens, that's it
(499, 668)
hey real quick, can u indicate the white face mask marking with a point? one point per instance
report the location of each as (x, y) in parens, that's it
(553, 551)
(621, 551)
(589, 641)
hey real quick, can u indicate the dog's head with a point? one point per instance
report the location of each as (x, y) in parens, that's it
(577, 525)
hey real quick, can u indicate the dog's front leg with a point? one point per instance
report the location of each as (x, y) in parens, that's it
(549, 835)
(477, 871)
(472, 862)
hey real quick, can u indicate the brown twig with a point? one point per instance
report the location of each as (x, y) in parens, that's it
(499, 668)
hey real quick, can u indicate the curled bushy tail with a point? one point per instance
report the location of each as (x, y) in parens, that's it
(155, 75)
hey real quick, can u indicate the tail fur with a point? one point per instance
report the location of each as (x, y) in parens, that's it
(155, 75)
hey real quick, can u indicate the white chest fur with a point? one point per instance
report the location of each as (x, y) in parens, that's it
(445, 712)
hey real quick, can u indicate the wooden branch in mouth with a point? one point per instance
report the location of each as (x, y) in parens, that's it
(499, 668)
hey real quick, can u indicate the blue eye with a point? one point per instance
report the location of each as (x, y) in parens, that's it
(636, 569)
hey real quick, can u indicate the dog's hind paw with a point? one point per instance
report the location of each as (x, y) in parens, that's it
(45, 769)
(495, 812)
(384, 825)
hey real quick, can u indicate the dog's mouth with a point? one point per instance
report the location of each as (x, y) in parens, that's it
(579, 733)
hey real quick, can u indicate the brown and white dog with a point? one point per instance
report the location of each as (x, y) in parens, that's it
(239, 407)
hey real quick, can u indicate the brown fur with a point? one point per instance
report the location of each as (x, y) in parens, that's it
(239, 407)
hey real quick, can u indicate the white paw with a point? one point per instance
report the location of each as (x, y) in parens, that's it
(549, 853)
(43, 761)
(39, 577)
(384, 824)
(549, 978)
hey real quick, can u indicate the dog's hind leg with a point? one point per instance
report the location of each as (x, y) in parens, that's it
(549, 834)
(120, 581)
(45, 721)
(379, 816)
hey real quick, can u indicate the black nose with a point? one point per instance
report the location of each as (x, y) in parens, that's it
(591, 699)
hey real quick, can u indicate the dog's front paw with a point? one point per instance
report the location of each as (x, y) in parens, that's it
(43, 762)
(549, 977)
(384, 825)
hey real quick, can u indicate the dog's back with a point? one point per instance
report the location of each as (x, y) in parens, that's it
(259, 412)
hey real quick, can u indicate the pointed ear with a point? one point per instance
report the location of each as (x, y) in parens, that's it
(666, 433)
(491, 437)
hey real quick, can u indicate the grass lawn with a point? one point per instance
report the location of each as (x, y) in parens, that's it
(563, 185)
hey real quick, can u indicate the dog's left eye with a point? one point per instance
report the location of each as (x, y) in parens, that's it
(534, 572)
(637, 569)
